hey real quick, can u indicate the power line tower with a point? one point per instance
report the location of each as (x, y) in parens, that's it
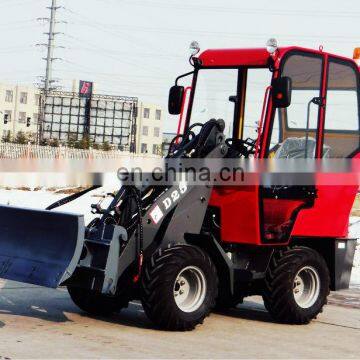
(50, 45)
(50, 49)
(48, 81)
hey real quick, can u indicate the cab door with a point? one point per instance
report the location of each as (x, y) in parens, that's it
(339, 139)
(295, 135)
(240, 206)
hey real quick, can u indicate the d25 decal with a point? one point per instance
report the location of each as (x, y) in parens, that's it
(157, 213)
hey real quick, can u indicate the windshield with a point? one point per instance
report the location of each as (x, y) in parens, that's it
(213, 89)
(221, 93)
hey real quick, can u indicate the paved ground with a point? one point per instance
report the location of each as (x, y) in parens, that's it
(41, 323)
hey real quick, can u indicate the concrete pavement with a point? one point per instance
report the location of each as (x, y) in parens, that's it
(42, 323)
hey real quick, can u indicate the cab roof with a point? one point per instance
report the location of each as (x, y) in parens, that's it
(250, 57)
(235, 57)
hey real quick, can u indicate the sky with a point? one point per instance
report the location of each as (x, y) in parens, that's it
(138, 47)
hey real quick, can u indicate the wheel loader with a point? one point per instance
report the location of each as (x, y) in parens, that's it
(185, 249)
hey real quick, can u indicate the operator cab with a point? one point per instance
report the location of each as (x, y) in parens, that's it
(281, 103)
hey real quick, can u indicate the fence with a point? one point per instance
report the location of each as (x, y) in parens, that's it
(19, 151)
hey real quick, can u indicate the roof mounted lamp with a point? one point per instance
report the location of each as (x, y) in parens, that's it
(194, 49)
(271, 46)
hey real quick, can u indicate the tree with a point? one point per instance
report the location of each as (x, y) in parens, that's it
(20, 138)
(158, 150)
(54, 142)
(106, 146)
(44, 142)
(31, 137)
(84, 143)
(7, 138)
(72, 141)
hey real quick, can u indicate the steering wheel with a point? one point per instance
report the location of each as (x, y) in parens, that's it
(239, 147)
(192, 145)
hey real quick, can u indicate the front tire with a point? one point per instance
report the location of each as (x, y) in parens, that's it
(179, 287)
(95, 303)
(296, 285)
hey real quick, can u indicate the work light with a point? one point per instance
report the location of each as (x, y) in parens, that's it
(271, 45)
(194, 48)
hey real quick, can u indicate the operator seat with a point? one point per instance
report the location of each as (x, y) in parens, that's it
(294, 148)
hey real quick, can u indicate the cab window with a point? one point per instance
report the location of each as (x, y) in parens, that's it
(341, 130)
(211, 100)
(294, 130)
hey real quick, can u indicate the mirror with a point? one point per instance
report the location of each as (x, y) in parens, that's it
(281, 92)
(176, 95)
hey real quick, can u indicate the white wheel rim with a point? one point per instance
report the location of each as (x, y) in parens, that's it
(306, 287)
(190, 289)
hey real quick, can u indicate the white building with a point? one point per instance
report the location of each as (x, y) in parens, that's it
(149, 129)
(22, 102)
(18, 103)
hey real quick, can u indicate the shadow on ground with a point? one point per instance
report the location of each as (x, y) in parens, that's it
(35, 302)
(56, 305)
(132, 316)
(249, 310)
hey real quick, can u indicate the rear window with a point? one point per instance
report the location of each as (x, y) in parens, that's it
(341, 132)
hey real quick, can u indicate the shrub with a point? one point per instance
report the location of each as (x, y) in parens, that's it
(71, 141)
(7, 138)
(106, 146)
(20, 138)
(54, 142)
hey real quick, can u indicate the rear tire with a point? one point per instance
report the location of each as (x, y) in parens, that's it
(179, 287)
(296, 285)
(95, 303)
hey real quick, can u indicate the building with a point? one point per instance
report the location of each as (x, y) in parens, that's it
(104, 118)
(19, 105)
(110, 118)
(149, 129)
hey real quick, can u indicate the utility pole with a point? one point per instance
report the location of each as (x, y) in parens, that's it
(50, 45)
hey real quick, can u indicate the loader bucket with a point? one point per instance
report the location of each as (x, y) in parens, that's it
(39, 247)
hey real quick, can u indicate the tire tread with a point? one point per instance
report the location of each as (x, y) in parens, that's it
(277, 292)
(159, 272)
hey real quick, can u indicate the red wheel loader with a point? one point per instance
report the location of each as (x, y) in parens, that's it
(186, 249)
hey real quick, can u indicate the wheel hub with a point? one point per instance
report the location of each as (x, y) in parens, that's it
(190, 289)
(306, 287)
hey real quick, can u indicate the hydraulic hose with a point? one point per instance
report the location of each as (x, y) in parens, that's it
(72, 197)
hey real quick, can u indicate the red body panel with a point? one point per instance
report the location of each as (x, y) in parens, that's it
(278, 211)
(240, 213)
(252, 57)
(329, 217)
(235, 57)
(239, 209)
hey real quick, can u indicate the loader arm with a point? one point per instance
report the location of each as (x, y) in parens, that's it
(174, 212)
(51, 248)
